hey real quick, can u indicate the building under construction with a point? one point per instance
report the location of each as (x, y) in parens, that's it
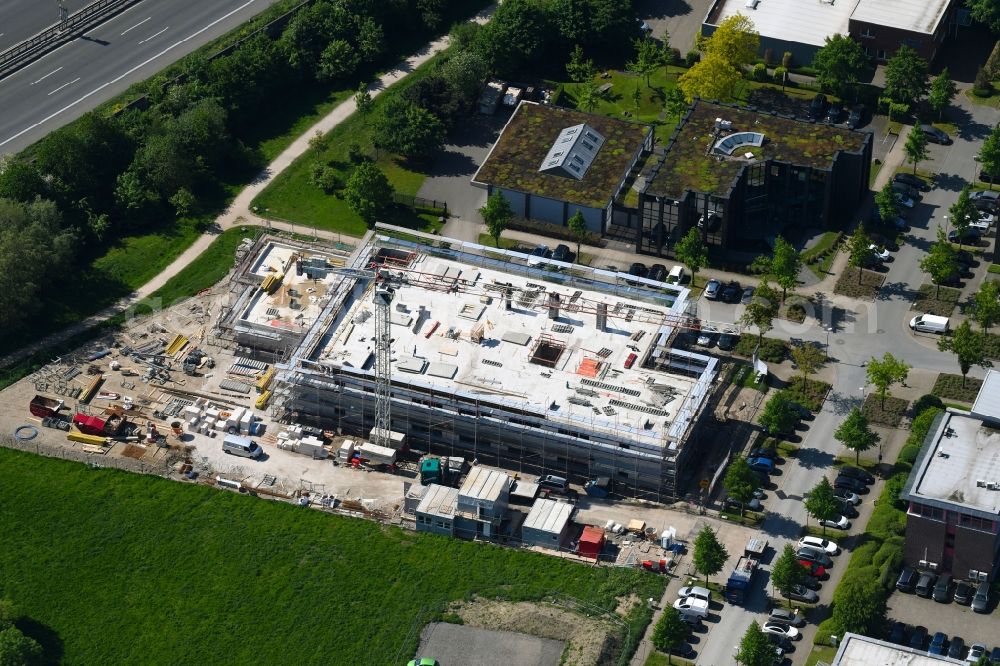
(545, 368)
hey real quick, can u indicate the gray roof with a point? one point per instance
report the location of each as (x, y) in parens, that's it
(922, 16)
(484, 483)
(857, 650)
(438, 501)
(548, 515)
(987, 405)
(573, 151)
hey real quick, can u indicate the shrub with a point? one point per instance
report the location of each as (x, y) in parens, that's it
(908, 455)
(675, 56)
(780, 73)
(983, 86)
(769, 57)
(925, 402)
(759, 72)
(692, 58)
(786, 60)
(354, 153)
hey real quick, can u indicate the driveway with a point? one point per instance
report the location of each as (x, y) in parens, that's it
(680, 19)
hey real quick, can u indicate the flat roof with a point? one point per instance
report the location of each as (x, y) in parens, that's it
(689, 163)
(922, 16)
(857, 650)
(548, 515)
(438, 501)
(566, 369)
(513, 162)
(484, 483)
(987, 405)
(953, 470)
(803, 21)
(298, 300)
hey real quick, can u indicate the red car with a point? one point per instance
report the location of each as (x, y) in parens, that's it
(815, 570)
(630, 361)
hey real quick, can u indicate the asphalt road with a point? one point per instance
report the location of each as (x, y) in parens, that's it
(130, 47)
(20, 19)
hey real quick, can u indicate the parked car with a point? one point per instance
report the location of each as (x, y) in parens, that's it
(728, 341)
(683, 650)
(834, 114)
(817, 106)
(995, 655)
(964, 592)
(825, 545)
(857, 473)
(657, 272)
(839, 522)
(803, 594)
(942, 589)
(897, 634)
(847, 510)
(856, 117)
(981, 599)
(735, 505)
(879, 253)
(695, 591)
(925, 586)
(912, 180)
(969, 235)
(706, 339)
(748, 293)
(786, 616)
(987, 177)
(899, 224)
(989, 198)
(781, 629)
(939, 644)
(561, 253)
(638, 269)
(761, 464)
(904, 200)
(540, 252)
(907, 580)
(935, 135)
(918, 638)
(982, 225)
(850, 483)
(847, 496)
(957, 647)
(905, 189)
(692, 606)
(712, 288)
(815, 570)
(731, 292)
(814, 555)
(976, 652)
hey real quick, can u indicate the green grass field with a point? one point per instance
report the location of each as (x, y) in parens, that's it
(202, 273)
(129, 569)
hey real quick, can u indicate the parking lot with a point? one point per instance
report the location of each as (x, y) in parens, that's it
(951, 618)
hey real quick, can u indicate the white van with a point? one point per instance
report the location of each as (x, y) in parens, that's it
(676, 275)
(928, 323)
(554, 482)
(241, 446)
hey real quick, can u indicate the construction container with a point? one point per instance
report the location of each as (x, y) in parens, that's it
(346, 450)
(377, 455)
(245, 422)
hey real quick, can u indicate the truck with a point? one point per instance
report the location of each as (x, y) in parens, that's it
(95, 425)
(41, 406)
(741, 579)
(598, 487)
(440, 471)
(755, 548)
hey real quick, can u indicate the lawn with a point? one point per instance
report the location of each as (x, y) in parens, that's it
(211, 266)
(867, 288)
(951, 387)
(889, 414)
(937, 302)
(293, 197)
(820, 256)
(660, 659)
(810, 394)
(146, 570)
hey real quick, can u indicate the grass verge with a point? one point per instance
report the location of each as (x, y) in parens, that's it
(951, 387)
(930, 300)
(810, 394)
(227, 573)
(772, 350)
(888, 413)
(866, 286)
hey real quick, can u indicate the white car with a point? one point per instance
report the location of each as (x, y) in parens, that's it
(905, 201)
(849, 497)
(778, 629)
(695, 592)
(829, 547)
(840, 522)
(976, 652)
(692, 606)
(982, 225)
(881, 254)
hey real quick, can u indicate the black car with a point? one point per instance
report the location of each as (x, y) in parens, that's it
(850, 483)
(657, 272)
(728, 341)
(964, 592)
(985, 200)
(957, 647)
(970, 235)
(907, 580)
(934, 135)
(748, 293)
(684, 651)
(817, 106)
(834, 114)
(942, 589)
(912, 180)
(638, 270)
(898, 633)
(918, 638)
(905, 189)
(856, 118)
(846, 509)
(857, 473)
(731, 293)
(561, 253)
(987, 177)
(995, 655)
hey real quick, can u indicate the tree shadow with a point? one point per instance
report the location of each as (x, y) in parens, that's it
(841, 403)
(813, 458)
(781, 526)
(45, 636)
(662, 9)
(951, 182)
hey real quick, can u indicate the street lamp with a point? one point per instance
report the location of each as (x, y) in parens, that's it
(976, 161)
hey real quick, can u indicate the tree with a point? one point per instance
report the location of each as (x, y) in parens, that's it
(497, 213)
(338, 60)
(943, 90)
(709, 553)
(465, 72)
(755, 647)
(408, 129)
(821, 503)
(916, 147)
(986, 12)
(740, 481)
(887, 204)
(963, 212)
(783, 264)
(939, 262)
(363, 100)
(674, 103)
(431, 12)
(368, 192)
(969, 348)
(989, 154)
(16, 649)
(859, 252)
(906, 76)
(578, 69)
(647, 58)
(779, 415)
(884, 373)
(761, 310)
(691, 252)
(637, 98)
(670, 631)
(588, 96)
(578, 227)
(710, 78)
(736, 41)
(986, 304)
(516, 36)
(859, 605)
(808, 357)
(786, 572)
(855, 434)
(839, 63)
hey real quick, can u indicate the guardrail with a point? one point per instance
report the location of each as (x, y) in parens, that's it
(59, 33)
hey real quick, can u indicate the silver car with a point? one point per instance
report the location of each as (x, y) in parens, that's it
(981, 600)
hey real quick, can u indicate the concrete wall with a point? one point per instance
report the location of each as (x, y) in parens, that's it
(888, 39)
(593, 216)
(435, 524)
(533, 537)
(974, 550)
(924, 540)
(553, 211)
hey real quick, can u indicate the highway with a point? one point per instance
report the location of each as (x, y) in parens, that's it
(20, 19)
(65, 84)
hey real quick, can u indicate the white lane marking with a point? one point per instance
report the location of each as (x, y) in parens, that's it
(156, 35)
(122, 76)
(137, 24)
(63, 86)
(46, 76)
(117, 16)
